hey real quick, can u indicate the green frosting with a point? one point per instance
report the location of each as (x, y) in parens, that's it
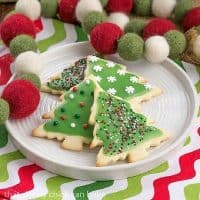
(92, 19)
(49, 8)
(21, 44)
(71, 117)
(32, 78)
(119, 128)
(143, 7)
(135, 26)
(177, 42)
(182, 7)
(130, 47)
(4, 111)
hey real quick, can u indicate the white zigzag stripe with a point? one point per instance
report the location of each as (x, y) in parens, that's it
(71, 36)
(8, 148)
(191, 71)
(40, 189)
(117, 186)
(67, 189)
(177, 192)
(13, 168)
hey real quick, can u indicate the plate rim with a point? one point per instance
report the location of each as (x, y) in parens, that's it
(163, 153)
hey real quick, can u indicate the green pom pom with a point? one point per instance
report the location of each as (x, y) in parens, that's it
(181, 9)
(131, 47)
(32, 78)
(21, 44)
(135, 26)
(4, 111)
(49, 8)
(177, 43)
(104, 2)
(143, 7)
(92, 19)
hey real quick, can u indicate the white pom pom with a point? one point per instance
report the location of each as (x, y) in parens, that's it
(118, 18)
(85, 6)
(28, 62)
(163, 8)
(196, 46)
(30, 8)
(156, 49)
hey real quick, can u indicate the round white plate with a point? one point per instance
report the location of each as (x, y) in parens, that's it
(173, 111)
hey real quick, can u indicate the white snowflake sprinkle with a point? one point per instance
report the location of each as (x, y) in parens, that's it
(148, 86)
(97, 68)
(134, 79)
(121, 72)
(73, 125)
(98, 78)
(130, 89)
(87, 82)
(110, 64)
(111, 79)
(71, 96)
(93, 58)
(111, 91)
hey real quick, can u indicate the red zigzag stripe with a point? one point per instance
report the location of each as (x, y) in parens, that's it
(26, 182)
(187, 172)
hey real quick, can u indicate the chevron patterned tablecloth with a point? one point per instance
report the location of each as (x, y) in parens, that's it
(177, 179)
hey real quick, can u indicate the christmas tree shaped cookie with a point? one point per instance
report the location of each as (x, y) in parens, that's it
(122, 133)
(112, 78)
(69, 121)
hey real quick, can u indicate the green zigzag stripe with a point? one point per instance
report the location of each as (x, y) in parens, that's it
(192, 192)
(197, 85)
(3, 136)
(134, 184)
(179, 63)
(53, 186)
(81, 35)
(198, 69)
(80, 193)
(4, 160)
(187, 141)
(58, 36)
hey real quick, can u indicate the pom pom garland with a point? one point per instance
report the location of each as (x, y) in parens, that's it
(33, 78)
(143, 8)
(23, 98)
(104, 37)
(4, 111)
(135, 26)
(49, 8)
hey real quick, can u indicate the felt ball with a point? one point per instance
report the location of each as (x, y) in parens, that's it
(33, 78)
(4, 111)
(191, 19)
(158, 26)
(196, 46)
(120, 6)
(130, 47)
(23, 98)
(135, 26)
(66, 10)
(104, 2)
(143, 8)
(182, 7)
(30, 8)
(163, 8)
(104, 37)
(22, 43)
(156, 49)
(49, 8)
(119, 19)
(14, 25)
(177, 42)
(85, 6)
(92, 19)
(28, 62)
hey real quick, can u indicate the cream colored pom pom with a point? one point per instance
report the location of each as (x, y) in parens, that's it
(163, 8)
(156, 49)
(85, 6)
(30, 8)
(28, 62)
(196, 46)
(119, 18)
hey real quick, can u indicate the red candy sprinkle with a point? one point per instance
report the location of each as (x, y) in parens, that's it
(74, 89)
(85, 126)
(63, 117)
(82, 104)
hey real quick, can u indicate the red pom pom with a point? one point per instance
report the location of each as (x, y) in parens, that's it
(192, 19)
(66, 10)
(23, 98)
(5, 72)
(104, 37)
(120, 6)
(158, 26)
(14, 25)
